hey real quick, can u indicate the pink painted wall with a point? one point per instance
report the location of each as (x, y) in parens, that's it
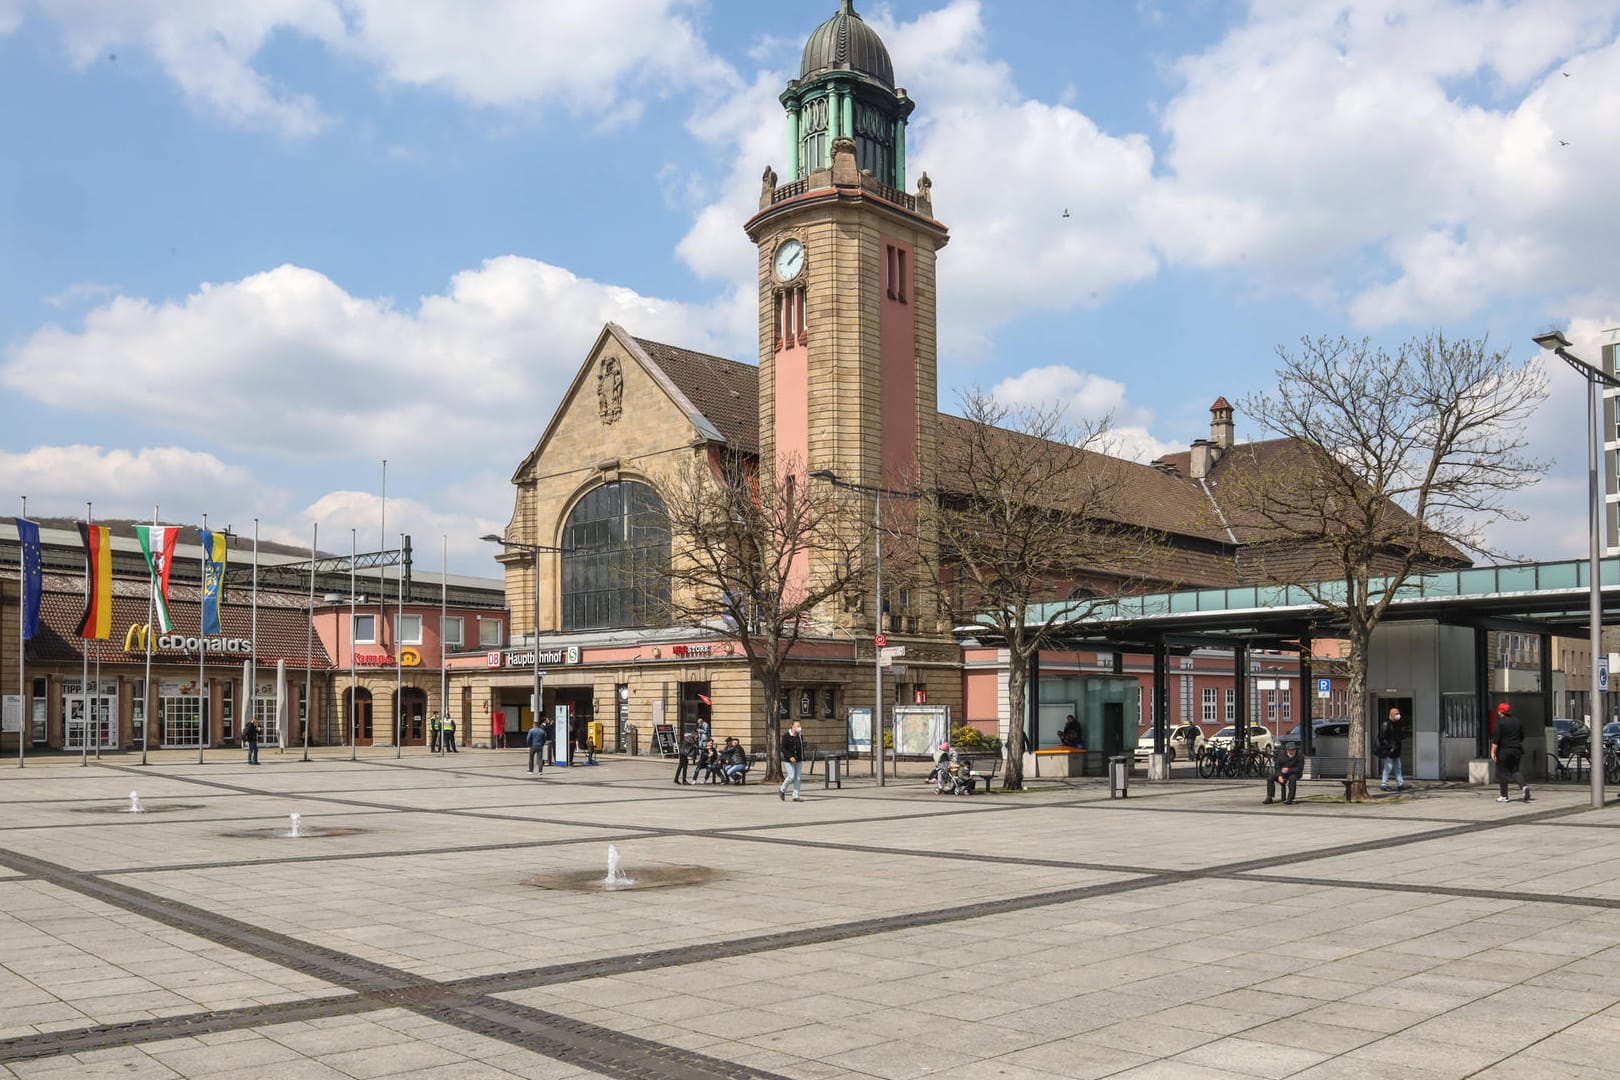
(897, 338)
(793, 424)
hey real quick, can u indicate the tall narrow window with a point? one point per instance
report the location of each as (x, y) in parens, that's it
(900, 273)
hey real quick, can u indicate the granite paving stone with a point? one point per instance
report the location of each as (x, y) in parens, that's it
(867, 932)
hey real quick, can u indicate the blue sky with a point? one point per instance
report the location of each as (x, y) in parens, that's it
(248, 251)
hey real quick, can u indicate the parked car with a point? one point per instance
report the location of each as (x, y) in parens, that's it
(1319, 728)
(1611, 731)
(1259, 737)
(1570, 736)
(1176, 745)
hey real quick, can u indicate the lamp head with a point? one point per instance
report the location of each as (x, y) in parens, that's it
(493, 539)
(825, 474)
(1552, 340)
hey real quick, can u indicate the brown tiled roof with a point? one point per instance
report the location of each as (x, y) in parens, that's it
(1211, 531)
(724, 391)
(283, 623)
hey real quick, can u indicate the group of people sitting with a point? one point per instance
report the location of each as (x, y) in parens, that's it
(711, 764)
(952, 774)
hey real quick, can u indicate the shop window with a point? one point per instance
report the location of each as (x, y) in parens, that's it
(615, 567)
(227, 707)
(408, 629)
(365, 629)
(491, 633)
(829, 704)
(807, 704)
(451, 631)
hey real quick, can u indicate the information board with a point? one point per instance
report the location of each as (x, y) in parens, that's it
(860, 730)
(664, 739)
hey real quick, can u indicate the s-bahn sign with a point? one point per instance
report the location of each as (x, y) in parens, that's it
(139, 637)
(518, 658)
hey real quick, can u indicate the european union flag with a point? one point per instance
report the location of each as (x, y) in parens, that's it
(28, 538)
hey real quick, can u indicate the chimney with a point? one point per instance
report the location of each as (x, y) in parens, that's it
(1220, 426)
(1204, 454)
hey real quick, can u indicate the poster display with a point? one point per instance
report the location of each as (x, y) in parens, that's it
(859, 722)
(919, 729)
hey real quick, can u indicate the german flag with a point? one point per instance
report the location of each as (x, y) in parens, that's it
(97, 621)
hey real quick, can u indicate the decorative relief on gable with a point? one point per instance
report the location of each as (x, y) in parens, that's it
(610, 390)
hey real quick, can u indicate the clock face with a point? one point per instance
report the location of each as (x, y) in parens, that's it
(789, 260)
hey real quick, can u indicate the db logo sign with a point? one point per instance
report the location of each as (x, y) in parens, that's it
(492, 658)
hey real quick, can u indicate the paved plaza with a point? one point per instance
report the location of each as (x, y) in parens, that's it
(1187, 931)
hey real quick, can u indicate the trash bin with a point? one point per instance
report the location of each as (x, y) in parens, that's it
(593, 731)
(1119, 776)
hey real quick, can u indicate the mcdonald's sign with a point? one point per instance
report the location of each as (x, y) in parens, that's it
(138, 637)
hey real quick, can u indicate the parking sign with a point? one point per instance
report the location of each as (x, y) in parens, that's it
(1324, 687)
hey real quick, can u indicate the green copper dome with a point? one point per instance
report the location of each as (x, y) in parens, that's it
(845, 43)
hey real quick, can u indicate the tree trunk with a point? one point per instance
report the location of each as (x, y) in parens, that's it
(1356, 751)
(772, 684)
(1017, 708)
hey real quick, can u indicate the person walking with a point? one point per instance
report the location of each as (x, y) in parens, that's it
(1389, 750)
(792, 761)
(1506, 750)
(537, 749)
(434, 725)
(449, 733)
(250, 739)
(688, 754)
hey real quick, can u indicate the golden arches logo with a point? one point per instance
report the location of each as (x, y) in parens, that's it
(138, 638)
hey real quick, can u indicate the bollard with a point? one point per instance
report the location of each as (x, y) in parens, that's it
(1119, 777)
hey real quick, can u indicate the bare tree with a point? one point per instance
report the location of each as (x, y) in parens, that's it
(1388, 464)
(1029, 533)
(752, 558)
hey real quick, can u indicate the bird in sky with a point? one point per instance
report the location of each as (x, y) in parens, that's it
(1563, 142)
(1065, 211)
(1566, 74)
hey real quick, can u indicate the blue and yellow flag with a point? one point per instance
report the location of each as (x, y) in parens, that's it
(213, 547)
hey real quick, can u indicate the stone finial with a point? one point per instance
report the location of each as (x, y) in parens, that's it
(925, 195)
(767, 186)
(844, 171)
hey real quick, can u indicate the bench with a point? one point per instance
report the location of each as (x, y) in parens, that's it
(985, 776)
(1327, 770)
(1072, 760)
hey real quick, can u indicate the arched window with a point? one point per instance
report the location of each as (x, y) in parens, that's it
(615, 569)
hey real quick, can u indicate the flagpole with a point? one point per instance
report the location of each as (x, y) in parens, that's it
(97, 698)
(202, 639)
(399, 661)
(253, 661)
(26, 728)
(84, 654)
(444, 610)
(354, 702)
(309, 635)
(146, 680)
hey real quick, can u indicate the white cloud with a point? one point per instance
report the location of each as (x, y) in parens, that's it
(1402, 156)
(586, 57)
(1087, 398)
(124, 483)
(298, 368)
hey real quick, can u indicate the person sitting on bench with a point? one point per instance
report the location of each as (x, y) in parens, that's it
(733, 762)
(1070, 734)
(1288, 767)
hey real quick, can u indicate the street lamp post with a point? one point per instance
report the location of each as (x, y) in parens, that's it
(1556, 343)
(534, 635)
(877, 494)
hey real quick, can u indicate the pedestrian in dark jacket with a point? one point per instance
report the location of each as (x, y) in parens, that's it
(1288, 765)
(1506, 750)
(792, 761)
(536, 738)
(250, 737)
(688, 754)
(1389, 750)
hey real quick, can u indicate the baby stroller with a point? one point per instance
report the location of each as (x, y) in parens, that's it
(956, 778)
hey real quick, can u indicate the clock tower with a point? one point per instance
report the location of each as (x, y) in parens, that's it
(847, 349)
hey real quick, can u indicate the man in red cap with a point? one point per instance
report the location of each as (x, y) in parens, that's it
(1506, 751)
